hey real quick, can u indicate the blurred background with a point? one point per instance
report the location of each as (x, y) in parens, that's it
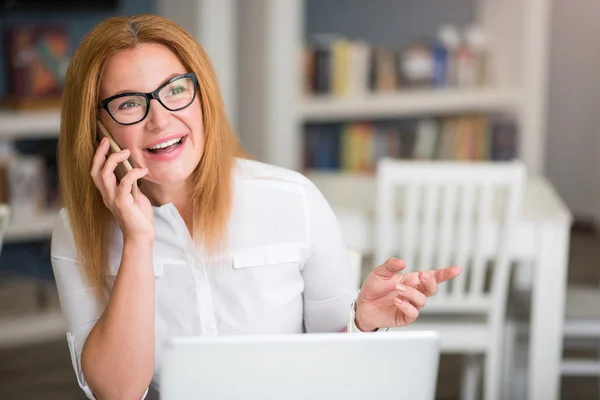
(330, 88)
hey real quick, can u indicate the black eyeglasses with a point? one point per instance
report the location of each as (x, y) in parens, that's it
(174, 95)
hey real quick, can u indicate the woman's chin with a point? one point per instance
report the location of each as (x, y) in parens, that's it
(165, 179)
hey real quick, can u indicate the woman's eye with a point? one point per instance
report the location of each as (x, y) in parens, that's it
(129, 104)
(175, 90)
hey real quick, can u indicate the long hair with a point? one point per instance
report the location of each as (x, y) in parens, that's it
(211, 180)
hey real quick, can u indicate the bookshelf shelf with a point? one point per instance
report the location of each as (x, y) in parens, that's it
(422, 102)
(29, 124)
(31, 228)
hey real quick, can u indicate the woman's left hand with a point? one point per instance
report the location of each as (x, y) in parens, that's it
(389, 299)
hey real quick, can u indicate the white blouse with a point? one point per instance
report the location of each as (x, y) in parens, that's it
(285, 270)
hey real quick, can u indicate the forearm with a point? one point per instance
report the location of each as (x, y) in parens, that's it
(118, 355)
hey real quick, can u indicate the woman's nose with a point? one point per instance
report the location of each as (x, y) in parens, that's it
(157, 116)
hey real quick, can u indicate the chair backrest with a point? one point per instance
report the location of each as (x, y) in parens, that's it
(355, 263)
(439, 214)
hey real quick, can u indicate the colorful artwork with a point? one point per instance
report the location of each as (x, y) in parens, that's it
(37, 61)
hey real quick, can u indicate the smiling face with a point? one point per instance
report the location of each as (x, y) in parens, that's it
(168, 143)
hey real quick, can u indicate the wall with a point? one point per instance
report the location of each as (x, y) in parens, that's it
(386, 22)
(573, 147)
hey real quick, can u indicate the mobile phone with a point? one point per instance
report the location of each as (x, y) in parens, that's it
(123, 167)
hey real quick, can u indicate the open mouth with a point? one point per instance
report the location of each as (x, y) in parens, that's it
(166, 147)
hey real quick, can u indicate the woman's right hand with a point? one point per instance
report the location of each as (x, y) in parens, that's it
(135, 218)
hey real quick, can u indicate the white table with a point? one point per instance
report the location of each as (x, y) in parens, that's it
(541, 242)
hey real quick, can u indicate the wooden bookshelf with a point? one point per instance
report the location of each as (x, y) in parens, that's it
(274, 109)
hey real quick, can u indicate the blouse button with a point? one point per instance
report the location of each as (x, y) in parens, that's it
(208, 325)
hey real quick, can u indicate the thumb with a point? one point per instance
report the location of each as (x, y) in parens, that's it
(390, 268)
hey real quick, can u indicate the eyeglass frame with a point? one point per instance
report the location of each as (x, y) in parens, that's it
(152, 95)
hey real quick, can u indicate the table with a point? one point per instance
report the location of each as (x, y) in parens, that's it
(541, 242)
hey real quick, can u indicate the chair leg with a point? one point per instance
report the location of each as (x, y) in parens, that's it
(517, 379)
(510, 343)
(514, 373)
(492, 378)
(471, 377)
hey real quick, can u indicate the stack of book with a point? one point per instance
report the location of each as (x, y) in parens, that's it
(357, 146)
(334, 65)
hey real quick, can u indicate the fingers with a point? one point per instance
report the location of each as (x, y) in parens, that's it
(427, 281)
(125, 188)
(408, 313)
(108, 177)
(98, 162)
(429, 285)
(410, 279)
(99, 157)
(126, 185)
(412, 295)
(390, 268)
(445, 274)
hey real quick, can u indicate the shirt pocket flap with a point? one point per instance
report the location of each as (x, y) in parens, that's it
(115, 264)
(266, 255)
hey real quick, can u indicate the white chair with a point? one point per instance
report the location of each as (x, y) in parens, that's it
(437, 214)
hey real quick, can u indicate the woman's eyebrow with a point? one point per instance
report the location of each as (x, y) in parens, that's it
(171, 76)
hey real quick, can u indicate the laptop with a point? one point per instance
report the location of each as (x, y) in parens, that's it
(391, 365)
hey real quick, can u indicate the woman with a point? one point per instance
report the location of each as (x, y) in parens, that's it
(215, 244)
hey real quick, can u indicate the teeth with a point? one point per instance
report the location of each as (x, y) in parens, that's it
(165, 144)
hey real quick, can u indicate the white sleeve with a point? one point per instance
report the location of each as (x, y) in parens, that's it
(328, 287)
(79, 303)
